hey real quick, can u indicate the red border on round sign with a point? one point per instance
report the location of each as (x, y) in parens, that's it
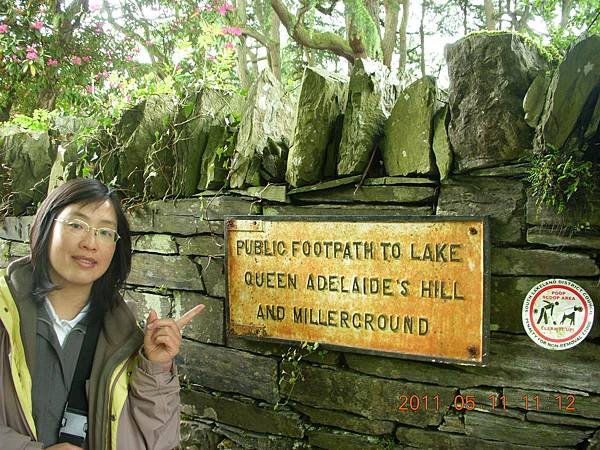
(541, 338)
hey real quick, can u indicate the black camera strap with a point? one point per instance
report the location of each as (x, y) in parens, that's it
(74, 423)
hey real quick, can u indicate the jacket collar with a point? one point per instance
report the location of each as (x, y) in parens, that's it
(19, 280)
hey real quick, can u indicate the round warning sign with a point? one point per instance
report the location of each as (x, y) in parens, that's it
(557, 314)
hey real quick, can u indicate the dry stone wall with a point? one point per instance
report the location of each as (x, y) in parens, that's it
(347, 400)
(236, 393)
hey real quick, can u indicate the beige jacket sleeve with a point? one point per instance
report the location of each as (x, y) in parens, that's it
(150, 417)
(11, 440)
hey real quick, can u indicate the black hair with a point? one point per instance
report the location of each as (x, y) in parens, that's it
(105, 292)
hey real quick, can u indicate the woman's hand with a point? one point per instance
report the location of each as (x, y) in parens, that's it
(162, 337)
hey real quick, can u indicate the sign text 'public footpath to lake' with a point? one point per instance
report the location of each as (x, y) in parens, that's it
(411, 287)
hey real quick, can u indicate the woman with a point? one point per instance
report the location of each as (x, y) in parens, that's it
(75, 369)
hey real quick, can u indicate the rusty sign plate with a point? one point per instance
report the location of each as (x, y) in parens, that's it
(407, 287)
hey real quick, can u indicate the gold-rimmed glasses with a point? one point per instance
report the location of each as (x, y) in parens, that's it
(79, 228)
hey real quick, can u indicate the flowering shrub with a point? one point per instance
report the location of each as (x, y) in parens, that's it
(63, 57)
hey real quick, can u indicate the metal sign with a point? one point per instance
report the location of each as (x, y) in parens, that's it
(412, 287)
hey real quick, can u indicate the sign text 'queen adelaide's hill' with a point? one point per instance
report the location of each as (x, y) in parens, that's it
(409, 287)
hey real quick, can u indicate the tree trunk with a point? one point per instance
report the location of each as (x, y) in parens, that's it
(488, 6)
(465, 11)
(373, 8)
(242, 47)
(422, 36)
(565, 11)
(392, 9)
(274, 49)
(402, 38)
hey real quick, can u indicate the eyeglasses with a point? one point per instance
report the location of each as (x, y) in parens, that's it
(80, 228)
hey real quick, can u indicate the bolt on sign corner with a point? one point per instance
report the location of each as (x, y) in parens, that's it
(410, 287)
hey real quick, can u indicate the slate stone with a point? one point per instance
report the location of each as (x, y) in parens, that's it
(406, 145)
(533, 103)
(242, 439)
(594, 124)
(515, 261)
(201, 127)
(489, 426)
(347, 210)
(354, 393)
(213, 275)
(272, 192)
(145, 161)
(573, 82)
(554, 419)
(452, 422)
(541, 215)
(514, 361)
(16, 228)
(392, 181)
(268, 348)
(371, 95)
(175, 272)
(241, 414)
(4, 253)
(343, 440)
(559, 238)
(327, 185)
(418, 438)
(213, 168)
(322, 100)
(502, 199)
(154, 243)
(262, 142)
(441, 144)
(518, 170)
(197, 436)
(508, 294)
(206, 245)
(489, 76)
(208, 327)
(229, 370)
(345, 421)
(188, 216)
(26, 158)
(19, 249)
(141, 303)
(368, 194)
(584, 405)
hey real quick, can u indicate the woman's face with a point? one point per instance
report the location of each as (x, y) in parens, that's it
(79, 257)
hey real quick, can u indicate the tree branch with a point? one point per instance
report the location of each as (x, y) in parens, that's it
(312, 39)
(326, 11)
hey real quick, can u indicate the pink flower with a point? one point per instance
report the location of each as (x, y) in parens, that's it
(90, 88)
(149, 42)
(211, 57)
(32, 56)
(129, 58)
(76, 60)
(86, 59)
(3, 28)
(95, 6)
(37, 25)
(229, 45)
(104, 74)
(52, 62)
(109, 62)
(234, 31)
(224, 8)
